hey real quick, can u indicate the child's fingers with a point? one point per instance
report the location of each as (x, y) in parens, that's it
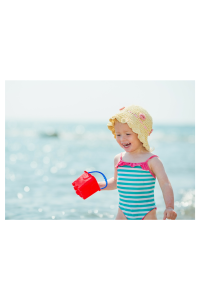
(165, 216)
(171, 215)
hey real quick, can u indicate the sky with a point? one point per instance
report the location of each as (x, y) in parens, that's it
(168, 102)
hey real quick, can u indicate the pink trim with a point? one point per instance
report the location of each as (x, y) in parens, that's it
(151, 131)
(151, 172)
(144, 165)
(149, 212)
(151, 157)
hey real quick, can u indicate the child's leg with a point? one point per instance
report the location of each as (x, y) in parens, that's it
(120, 215)
(151, 215)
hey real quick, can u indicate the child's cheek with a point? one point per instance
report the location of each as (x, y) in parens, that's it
(118, 140)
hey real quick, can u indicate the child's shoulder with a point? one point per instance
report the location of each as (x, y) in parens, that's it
(154, 162)
(117, 158)
(118, 155)
(152, 158)
(157, 168)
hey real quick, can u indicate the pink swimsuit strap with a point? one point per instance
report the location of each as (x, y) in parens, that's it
(144, 165)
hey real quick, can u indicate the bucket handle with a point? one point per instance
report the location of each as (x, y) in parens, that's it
(104, 178)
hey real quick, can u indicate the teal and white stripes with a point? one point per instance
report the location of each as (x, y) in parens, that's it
(136, 191)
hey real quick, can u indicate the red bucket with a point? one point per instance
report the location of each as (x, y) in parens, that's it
(86, 185)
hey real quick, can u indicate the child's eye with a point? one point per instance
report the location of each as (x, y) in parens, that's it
(128, 134)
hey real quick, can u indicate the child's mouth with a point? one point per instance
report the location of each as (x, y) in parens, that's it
(126, 145)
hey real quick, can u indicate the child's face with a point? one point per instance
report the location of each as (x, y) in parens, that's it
(126, 138)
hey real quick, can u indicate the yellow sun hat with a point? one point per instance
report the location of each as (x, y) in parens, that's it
(138, 119)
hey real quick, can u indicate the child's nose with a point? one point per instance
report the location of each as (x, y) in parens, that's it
(123, 138)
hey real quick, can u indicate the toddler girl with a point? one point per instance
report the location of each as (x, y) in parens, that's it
(136, 169)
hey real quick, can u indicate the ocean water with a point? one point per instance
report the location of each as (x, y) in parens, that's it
(43, 159)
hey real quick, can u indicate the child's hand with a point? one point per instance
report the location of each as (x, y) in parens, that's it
(169, 213)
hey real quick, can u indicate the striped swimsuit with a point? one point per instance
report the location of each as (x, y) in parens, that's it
(135, 183)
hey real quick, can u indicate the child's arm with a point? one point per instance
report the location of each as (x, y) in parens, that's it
(165, 185)
(112, 182)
